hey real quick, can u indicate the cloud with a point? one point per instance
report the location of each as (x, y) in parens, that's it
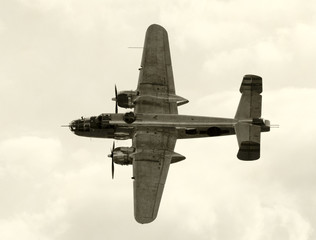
(54, 194)
(48, 194)
(28, 225)
(268, 198)
(28, 202)
(223, 40)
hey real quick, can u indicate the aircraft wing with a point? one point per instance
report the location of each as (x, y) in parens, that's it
(156, 90)
(154, 146)
(150, 168)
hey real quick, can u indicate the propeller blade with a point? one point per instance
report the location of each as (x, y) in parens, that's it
(116, 104)
(113, 147)
(112, 169)
(112, 156)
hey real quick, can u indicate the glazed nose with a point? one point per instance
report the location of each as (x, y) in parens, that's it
(73, 126)
(80, 125)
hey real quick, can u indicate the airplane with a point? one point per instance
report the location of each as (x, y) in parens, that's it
(155, 125)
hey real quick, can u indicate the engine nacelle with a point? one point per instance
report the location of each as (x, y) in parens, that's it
(122, 155)
(125, 99)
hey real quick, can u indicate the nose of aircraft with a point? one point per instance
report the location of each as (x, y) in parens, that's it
(73, 126)
(79, 125)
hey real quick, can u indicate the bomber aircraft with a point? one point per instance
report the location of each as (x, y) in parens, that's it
(155, 125)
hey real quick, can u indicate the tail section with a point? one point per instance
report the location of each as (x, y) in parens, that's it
(248, 137)
(249, 126)
(250, 103)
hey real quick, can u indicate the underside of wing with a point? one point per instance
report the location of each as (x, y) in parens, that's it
(156, 90)
(150, 168)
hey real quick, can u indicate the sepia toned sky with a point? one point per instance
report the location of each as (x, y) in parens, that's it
(60, 60)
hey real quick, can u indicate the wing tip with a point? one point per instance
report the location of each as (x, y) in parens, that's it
(144, 220)
(156, 27)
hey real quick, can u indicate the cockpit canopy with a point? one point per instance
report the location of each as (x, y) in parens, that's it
(81, 124)
(84, 124)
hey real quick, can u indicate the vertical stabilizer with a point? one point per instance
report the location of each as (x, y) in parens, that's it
(248, 136)
(250, 103)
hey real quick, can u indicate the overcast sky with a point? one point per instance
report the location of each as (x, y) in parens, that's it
(60, 60)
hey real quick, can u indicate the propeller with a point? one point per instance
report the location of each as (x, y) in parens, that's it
(116, 103)
(112, 156)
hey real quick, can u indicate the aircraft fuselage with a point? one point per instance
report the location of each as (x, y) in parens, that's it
(123, 125)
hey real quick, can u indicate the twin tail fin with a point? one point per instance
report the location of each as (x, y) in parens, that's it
(249, 122)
